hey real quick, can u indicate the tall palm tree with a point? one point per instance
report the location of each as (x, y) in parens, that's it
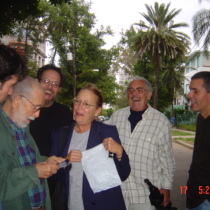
(173, 78)
(201, 28)
(160, 39)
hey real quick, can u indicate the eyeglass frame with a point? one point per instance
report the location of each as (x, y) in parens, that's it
(131, 90)
(84, 104)
(48, 82)
(36, 107)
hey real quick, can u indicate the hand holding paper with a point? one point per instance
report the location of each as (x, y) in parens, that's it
(113, 147)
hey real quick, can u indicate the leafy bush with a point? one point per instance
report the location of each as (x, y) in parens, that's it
(188, 127)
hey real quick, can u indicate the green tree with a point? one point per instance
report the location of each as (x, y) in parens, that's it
(122, 98)
(31, 32)
(16, 11)
(124, 61)
(69, 29)
(160, 40)
(201, 28)
(173, 78)
(145, 68)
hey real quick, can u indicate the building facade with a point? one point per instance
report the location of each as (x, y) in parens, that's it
(39, 52)
(197, 61)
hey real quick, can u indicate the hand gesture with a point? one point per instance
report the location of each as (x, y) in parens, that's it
(166, 193)
(49, 167)
(112, 146)
(74, 156)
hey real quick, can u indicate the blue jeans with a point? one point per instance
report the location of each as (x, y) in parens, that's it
(203, 206)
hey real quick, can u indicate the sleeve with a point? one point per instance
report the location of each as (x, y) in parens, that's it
(166, 157)
(123, 166)
(15, 180)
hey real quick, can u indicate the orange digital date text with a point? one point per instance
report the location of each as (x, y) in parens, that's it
(183, 189)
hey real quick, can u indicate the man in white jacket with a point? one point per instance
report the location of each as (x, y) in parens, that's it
(145, 134)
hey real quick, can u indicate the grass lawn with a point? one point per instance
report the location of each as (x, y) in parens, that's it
(180, 133)
(186, 140)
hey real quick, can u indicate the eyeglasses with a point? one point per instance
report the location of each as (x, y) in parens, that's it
(36, 108)
(84, 104)
(47, 82)
(139, 90)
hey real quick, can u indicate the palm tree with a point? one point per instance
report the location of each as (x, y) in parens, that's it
(159, 39)
(173, 78)
(201, 28)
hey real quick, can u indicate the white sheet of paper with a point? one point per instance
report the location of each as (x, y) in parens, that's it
(100, 170)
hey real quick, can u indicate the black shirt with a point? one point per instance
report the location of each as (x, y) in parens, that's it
(134, 118)
(55, 116)
(199, 173)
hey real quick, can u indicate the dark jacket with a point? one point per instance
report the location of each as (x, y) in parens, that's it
(111, 199)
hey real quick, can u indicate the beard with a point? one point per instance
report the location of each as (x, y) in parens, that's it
(20, 119)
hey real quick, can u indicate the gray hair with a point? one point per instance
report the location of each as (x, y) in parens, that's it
(148, 85)
(26, 87)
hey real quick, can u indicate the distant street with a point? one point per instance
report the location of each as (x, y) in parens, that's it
(183, 156)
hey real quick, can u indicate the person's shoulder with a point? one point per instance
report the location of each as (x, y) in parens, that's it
(62, 128)
(125, 109)
(60, 106)
(156, 112)
(104, 126)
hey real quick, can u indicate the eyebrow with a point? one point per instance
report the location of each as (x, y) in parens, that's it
(136, 87)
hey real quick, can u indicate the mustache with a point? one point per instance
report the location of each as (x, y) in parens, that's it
(49, 91)
(31, 118)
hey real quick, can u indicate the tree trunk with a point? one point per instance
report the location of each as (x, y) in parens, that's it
(74, 67)
(157, 79)
(53, 57)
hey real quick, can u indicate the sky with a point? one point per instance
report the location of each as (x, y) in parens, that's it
(121, 14)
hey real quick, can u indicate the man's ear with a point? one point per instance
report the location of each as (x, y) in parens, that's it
(149, 95)
(16, 100)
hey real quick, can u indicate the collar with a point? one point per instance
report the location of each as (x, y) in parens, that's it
(8, 122)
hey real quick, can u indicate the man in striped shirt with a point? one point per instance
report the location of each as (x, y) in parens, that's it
(146, 136)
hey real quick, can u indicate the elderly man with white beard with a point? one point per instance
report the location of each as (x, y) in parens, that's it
(23, 171)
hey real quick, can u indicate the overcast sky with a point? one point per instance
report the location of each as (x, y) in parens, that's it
(120, 14)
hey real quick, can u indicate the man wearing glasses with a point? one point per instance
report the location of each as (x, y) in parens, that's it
(22, 169)
(53, 114)
(146, 137)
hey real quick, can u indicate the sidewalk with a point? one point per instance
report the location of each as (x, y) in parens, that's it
(181, 142)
